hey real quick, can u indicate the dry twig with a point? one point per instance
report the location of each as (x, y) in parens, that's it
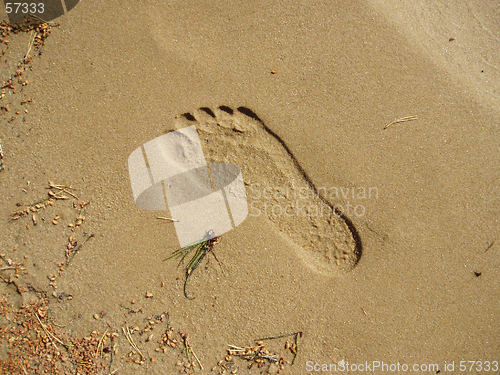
(130, 340)
(50, 335)
(168, 219)
(100, 345)
(189, 349)
(402, 119)
(91, 235)
(2, 167)
(489, 246)
(62, 189)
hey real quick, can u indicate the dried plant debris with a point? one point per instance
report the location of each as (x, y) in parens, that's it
(44, 212)
(399, 120)
(34, 207)
(34, 345)
(261, 355)
(189, 350)
(166, 341)
(38, 28)
(37, 344)
(55, 193)
(10, 272)
(128, 336)
(17, 62)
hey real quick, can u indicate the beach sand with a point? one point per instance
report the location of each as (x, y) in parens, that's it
(326, 78)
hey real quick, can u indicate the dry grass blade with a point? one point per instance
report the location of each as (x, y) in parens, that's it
(168, 219)
(57, 195)
(8, 268)
(100, 345)
(196, 357)
(50, 335)
(130, 340)
(402, 119)
(30, 44)
(250, 353)
(46, 331)
(2, 167)
(91, 235)
(63, 189)
(490, 245)
(189, 349)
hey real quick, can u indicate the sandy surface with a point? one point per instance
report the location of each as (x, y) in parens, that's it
(325, 78)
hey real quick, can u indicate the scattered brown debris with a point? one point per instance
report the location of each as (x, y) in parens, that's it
(63, 192)
(34, 212)
(260, 355)
(257, 355)
(13, 270)
(39, 31)
(167, 339)
(34, 207)
(35, 346)
(18, 63)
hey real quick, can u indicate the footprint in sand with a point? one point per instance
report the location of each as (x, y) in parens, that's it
(277, 187)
